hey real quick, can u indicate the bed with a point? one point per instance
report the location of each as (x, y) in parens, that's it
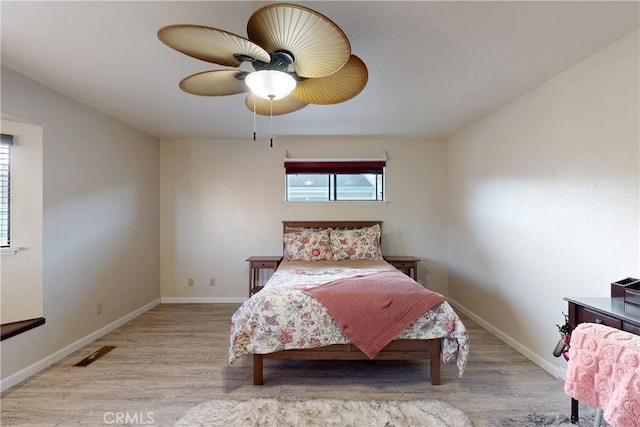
(286, 319)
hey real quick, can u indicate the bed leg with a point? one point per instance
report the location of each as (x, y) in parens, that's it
(257, 370)
(436, 354)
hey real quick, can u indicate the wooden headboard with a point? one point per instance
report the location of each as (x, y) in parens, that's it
(329, 224)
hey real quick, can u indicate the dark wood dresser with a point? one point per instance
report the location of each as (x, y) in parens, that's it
(610, 311)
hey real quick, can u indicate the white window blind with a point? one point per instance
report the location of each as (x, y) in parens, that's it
(6, 143)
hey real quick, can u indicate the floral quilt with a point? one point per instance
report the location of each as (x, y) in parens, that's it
(282, 317)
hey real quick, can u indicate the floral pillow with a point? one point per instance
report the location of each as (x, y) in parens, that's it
(307, 245)
(361, 243)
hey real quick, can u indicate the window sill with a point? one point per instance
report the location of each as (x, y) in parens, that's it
(10, 251)
(12, 329)
(334, 202)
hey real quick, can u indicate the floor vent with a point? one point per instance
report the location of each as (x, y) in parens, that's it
(95, 356)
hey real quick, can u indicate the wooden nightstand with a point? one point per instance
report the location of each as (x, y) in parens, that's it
(258, 263)
(407, 264)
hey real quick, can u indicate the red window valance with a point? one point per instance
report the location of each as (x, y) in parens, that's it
(333, 166)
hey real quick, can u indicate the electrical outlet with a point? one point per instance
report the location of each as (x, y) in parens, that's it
(98, 309)
(190, 282)
(212, 281)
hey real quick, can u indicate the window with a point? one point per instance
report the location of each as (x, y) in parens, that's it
(21, 219)
(334, 180)
(6, 144)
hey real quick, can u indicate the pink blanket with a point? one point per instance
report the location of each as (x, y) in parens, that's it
(372, 310)
(604, 371)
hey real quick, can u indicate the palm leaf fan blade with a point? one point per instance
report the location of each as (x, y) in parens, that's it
(264, 107)
(339, 87)
(318, 45)
(215, 83)
(210, 44)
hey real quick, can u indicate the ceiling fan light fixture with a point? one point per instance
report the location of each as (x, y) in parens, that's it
(270, 84)
(299, 57)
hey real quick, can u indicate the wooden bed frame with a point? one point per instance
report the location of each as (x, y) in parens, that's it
(396, 350)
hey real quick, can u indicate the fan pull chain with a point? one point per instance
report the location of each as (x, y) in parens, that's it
(254, 118)
(271, 122)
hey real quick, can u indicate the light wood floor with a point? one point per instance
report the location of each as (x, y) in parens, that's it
(174, 357)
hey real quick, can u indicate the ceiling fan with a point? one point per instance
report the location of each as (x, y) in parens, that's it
(299, 57)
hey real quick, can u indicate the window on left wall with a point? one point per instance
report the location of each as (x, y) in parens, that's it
(6, 144)
(21, 214)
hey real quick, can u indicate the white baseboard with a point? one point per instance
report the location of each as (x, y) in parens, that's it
(25, 373)
(203, 300)
(526, 352)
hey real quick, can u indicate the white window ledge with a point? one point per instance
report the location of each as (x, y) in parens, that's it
(10, 251)
(336, 202)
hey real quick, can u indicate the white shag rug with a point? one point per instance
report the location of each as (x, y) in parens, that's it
(545, 420)
(323, 412)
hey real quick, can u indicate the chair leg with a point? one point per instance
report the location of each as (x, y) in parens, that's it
(596, 422)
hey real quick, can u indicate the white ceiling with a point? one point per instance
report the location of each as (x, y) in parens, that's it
(434, 67)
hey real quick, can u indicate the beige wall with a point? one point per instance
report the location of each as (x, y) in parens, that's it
(100, 225)
(222, 201)
(544, 200)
